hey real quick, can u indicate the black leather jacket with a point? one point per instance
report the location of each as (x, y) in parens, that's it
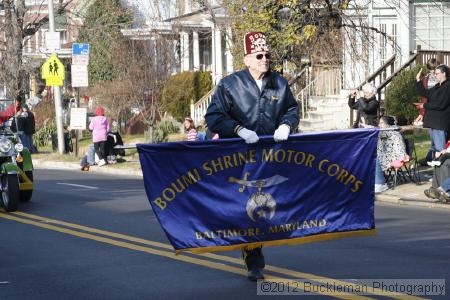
(437, 110)
(367, 108)
(238, 101)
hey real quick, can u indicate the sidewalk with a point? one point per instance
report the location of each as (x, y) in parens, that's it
(410, 194)
(107, 169)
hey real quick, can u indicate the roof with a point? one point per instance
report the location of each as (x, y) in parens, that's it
(60, 23)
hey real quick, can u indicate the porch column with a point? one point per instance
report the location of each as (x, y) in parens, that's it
(184, 41)
(187, 6)
(229, 57)
(196, 51)
(176, 66)
(218, 69)
(405, 31)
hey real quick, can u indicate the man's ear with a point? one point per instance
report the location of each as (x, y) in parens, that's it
(245, 60)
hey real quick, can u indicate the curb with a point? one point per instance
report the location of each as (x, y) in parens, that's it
(59, 165)
(411, 202)
(385, 198)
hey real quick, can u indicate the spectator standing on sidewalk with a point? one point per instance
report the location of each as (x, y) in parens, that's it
(366, 107)
(251, 102)
(428, 82)
(28, 127)
(100, 128)
(437, 110)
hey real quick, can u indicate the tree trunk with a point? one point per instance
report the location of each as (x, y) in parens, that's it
(12, 60)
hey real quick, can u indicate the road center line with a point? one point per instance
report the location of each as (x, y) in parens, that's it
(278, 270)
(79, 185)
(183, 258)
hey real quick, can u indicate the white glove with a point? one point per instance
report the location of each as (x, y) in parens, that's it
(249, 136)
(282, 133)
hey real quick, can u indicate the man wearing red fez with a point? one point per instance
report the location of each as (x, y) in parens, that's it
(252, 102)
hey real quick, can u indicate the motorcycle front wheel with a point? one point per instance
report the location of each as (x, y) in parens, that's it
(10, 192)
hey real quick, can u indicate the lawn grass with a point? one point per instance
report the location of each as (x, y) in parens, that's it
(421, 140)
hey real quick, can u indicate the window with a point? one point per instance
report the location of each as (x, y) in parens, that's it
(432, 31)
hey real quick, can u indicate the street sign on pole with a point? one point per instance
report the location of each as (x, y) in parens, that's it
(53, 71)
(78, 118)
(56, 89)
(80, 76)
(52, 41)
(80, 54)
(80, 49)
(80, 60)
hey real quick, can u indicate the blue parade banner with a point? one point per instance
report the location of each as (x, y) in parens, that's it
(224, 194)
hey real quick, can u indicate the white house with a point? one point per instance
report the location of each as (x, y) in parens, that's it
(406, 25)
(389, 27)
(389, 31)
(200, 42)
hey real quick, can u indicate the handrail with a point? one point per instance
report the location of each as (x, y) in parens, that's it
(378, 71)
(198, 109)
(296, 78)
(402, 67)
(308, 90)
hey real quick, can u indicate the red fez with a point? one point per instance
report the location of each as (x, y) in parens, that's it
(255, 42)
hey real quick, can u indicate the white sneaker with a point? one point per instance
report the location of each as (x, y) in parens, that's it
(102, 162)
(379, 188)
(434, 163)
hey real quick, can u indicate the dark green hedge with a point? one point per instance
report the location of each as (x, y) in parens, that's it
(401, 94)
(181, 88)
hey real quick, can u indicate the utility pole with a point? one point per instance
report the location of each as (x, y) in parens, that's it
(56, 89)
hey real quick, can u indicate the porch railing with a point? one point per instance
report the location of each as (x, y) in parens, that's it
(326, 82)
(198, 109)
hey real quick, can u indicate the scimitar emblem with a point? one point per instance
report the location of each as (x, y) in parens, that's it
(259, 201)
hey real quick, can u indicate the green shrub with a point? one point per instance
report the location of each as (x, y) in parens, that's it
(401, 94)
(164, 129)
(42, 136)
(180, 89)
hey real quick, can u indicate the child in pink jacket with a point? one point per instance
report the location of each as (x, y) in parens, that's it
(100, 128)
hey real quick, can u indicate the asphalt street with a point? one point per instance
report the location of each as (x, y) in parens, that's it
(94, 236)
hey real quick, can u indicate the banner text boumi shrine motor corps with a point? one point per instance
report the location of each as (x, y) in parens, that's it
(225, 194)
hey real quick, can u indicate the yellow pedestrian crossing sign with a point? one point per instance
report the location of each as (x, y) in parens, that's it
(53, 71)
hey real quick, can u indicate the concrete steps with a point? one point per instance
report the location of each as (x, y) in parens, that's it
(329, 112)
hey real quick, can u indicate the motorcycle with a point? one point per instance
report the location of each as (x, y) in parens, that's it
(16, 166)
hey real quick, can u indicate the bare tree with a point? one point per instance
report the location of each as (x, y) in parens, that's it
(18, 25)
(149, 76)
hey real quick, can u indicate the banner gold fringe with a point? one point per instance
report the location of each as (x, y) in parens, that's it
(294, 241)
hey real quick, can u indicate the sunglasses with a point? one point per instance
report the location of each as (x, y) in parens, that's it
(260, 56)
